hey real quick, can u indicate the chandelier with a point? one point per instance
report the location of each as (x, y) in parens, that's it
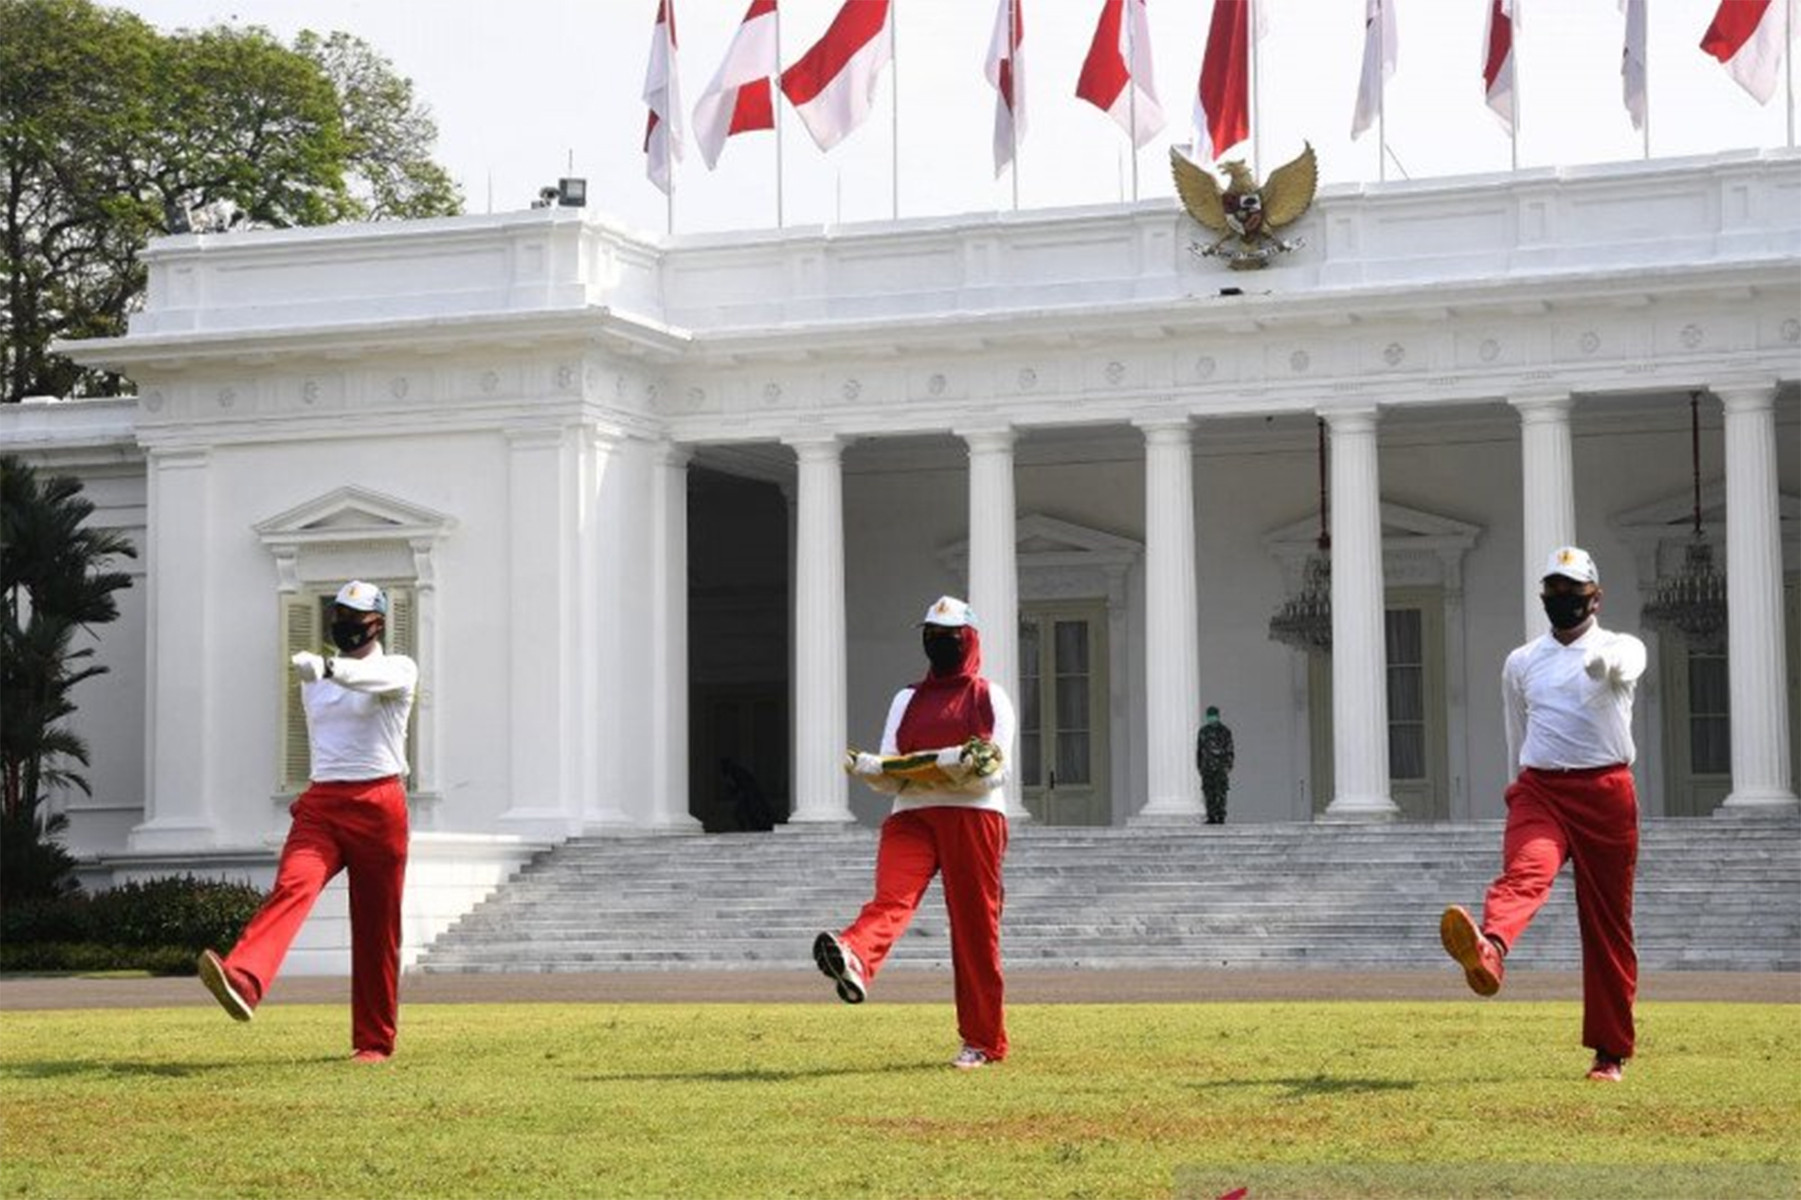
(1304, 621)
(1692, 601)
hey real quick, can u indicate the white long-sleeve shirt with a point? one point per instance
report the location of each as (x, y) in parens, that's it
(981, 792)
(1560, 716)
(356, 719)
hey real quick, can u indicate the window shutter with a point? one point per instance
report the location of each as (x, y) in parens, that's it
(403, 625)
(403, 638)
(300, 630)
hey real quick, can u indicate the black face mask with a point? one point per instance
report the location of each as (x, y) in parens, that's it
(350, 636)
(944, 653)
(1567, 610)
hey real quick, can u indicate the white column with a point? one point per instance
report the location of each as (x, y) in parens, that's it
(604, 578)
(542, 688)
(179, 726)
(1359, 650)
(1754, 618)
(1172, 626)
(994, 576)
(669, 636)
(820, 792)
(1548, 487)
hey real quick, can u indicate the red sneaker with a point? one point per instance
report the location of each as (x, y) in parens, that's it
(370, 1056)
(231, 994)
(1479, 957)
(1607, 1069)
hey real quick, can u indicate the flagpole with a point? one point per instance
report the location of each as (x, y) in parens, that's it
(1513, 126)
(1788, 63)
(894, 79)
(672, 93)
(1647, 128)
(1014, 101)
(775, 112)
(1125, 12)
(1250, 12)
(1381, 92)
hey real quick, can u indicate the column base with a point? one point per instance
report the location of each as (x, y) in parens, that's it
(538, 824)
(1763, 802)
(826, 820)
(1359, 808)
(1177, 810)
(677, 824)
(163, 837)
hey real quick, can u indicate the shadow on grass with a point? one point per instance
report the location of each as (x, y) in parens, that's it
(1315, 1085)
(763, 1074)
(65, 1069)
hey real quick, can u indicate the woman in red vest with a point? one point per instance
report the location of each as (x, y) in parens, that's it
(943, 761)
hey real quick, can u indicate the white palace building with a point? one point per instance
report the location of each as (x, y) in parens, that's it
(650, 504)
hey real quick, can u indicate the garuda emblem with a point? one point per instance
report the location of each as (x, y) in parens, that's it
(1244, 212)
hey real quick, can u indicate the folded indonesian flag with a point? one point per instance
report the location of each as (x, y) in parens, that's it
(739, 99)
(1750, 38)
(833, 85)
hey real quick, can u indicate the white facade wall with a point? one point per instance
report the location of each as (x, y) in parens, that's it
(504, 411)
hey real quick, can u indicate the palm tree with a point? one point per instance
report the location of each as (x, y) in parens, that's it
(52, 584)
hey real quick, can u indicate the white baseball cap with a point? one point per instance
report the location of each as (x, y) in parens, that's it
(1572, 562)
(363, 597)
(949, 611)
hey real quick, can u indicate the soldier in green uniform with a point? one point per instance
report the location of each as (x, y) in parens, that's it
(1213, 755)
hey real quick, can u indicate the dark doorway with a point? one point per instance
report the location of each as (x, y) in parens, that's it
(738, 653)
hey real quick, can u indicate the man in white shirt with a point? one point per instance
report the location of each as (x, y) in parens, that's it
(353, 816)
(1567, 698)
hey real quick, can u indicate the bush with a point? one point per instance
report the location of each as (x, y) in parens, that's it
(157, 925)
(33, 864)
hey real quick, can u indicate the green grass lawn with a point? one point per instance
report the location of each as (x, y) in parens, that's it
(1396, 1099)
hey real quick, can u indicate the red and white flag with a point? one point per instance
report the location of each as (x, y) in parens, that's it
(1750, 38)
(833, 84)
(663, 129)
(1006, 71)
(1222, 100)
(1633, 61)
(1117, 77)
(739, 99)
(1379, 60)
(1497, 61)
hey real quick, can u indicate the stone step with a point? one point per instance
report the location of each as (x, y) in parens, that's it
(1710, 894)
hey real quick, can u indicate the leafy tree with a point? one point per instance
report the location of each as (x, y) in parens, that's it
(386, 132)
(53, 583)
(111, 131)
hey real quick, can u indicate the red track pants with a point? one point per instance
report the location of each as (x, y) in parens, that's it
(361, 826)
(1590, 817)
(967, 845)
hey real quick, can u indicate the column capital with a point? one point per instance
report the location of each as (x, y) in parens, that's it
(1745, 395)
(815, 447)
(988, 439)
(667, 453)
(1165, 431)
(1540, 407)
(1358, 418)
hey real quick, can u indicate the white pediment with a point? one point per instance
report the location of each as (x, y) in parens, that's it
(1041, 541)
(352, 514)
(1403, 528)
(1657, 532)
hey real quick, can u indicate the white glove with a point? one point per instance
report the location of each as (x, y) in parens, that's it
(950, 761)
(309, 665)
(867, 765)
(1595, 663)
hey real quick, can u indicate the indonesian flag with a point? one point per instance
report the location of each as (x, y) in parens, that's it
(663, 129)
(739, 99)
(1632, 61)
(1497, 61)
(1222, 101)
(1750, 38)
(1006, 71)
(833, 85)
(1116, 76)
(1379, 59)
